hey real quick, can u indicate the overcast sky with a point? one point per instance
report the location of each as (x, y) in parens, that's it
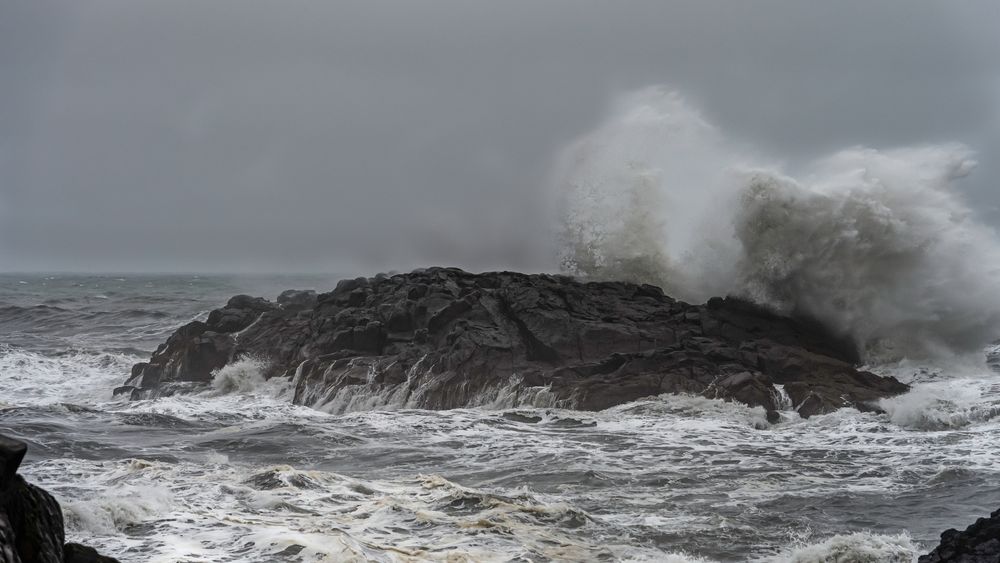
(370, 135)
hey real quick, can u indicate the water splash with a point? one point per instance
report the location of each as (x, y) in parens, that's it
(876, 244)
(859, 547)
(245, 375)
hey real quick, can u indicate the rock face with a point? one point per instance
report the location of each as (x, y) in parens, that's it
(979, 543)
(443, 338)
(31, 522)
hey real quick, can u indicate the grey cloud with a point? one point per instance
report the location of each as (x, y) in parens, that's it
(367, 135)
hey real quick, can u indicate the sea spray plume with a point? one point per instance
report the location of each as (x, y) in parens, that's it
(875, 244)
(627, 243)
(634, 192)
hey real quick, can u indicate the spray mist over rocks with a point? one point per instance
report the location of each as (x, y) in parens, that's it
(877, 244)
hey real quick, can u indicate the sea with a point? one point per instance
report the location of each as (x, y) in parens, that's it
(237, 473)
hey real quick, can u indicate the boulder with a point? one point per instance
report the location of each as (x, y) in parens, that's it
(979, 543)
(443, 338)
(31, 521)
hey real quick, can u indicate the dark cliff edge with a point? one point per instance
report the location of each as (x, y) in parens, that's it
(979, 543)
(443, 338)
(31, 521)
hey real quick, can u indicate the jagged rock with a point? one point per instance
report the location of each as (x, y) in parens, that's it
(31, 521)
(297, 299)
(443, 338)
(979, 543)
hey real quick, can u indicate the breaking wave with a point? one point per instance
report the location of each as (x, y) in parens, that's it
(859, 547)
(945, 405)
(877, 244)
(245, 375)
(75, 376)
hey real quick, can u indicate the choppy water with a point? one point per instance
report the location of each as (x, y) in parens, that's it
(240, 474)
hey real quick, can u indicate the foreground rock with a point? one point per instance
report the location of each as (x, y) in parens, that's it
(443, 338)
(31, 522)
(979, 543)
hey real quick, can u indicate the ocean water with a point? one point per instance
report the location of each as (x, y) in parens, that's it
(238, 473)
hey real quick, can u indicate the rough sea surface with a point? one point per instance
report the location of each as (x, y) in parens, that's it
(238, 473)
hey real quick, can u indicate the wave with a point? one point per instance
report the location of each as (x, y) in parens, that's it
(859, 547)
(232, 513)
(245, 375)
(52, 328)
(35, 314)
(945, 405)
(877, 244)
(86, 378)
(116, 511)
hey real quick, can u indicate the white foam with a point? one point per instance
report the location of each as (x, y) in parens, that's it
(672, 448)
(28, 378)
(115, 510)
(217, 512)
(947, 404)
(408, 395)
(859, 547)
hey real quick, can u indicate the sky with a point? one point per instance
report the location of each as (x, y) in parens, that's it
(333, 136)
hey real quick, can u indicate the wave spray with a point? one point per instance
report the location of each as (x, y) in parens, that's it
(877, 244)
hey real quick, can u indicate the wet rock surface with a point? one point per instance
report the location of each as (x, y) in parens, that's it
(444, 338)
(31, 521)
(979, 543)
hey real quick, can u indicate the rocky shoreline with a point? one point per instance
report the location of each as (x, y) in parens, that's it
(443, 338)
(31, 521)
(979, 543)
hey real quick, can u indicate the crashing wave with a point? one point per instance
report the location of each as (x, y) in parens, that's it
(859, 547)
(875, 244)
(944, 405)
(80, 377)
(245, 375)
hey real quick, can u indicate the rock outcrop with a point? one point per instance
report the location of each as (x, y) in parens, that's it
(31, 522)
(979, 543)
(443, 338)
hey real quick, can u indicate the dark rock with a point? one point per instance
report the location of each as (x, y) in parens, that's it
(297, 299)
(31, 521)
(36, 521)
(524, 418)
(240, 312)
(11, 454)
(76, 553)
(443, 338)
(275, 479)
(132, 393)
(191, 354)
(979, 543)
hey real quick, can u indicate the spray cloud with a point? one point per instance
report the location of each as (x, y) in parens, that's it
(875, 244)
